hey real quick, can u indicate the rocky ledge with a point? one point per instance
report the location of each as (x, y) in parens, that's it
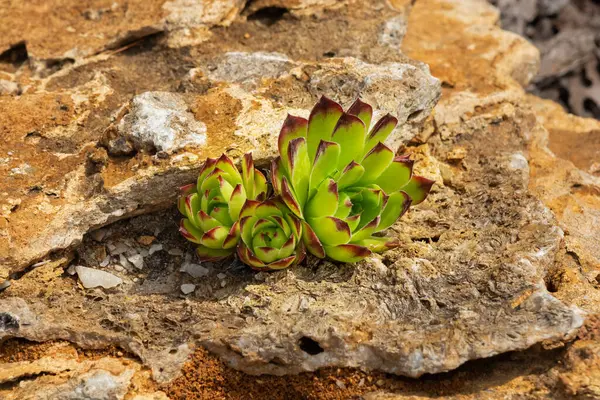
(100, 133)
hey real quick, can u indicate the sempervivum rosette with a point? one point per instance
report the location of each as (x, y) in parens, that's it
(342, 181)
(271, 236)
(212, 206)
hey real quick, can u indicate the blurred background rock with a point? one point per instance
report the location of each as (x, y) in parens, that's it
(567, 32)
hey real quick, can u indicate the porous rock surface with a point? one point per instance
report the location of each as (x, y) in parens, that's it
(469, 281)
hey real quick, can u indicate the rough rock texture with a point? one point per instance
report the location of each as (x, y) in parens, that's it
(490, 261)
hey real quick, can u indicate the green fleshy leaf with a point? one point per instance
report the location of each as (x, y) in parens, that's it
(282, 264)
(375, 162)
(321, 123)
(324, 202)
(299, 167)
(207, 222)
(276, 175)
(221, 214)
(418, 188)
(268, 208)
(261, 224)
(287, 248)
(344, 206)
(248, 175)
(281, 224)
(189, 231)
(185, 191)
(363, 111)
(331, 231)
(366, 231)
(191, 207)
(266, 254)
(246, 226)
(311, 241)
(350, 175)
(260, 185)
(372, 204)
(396, 175)
(325, 164)
(353, 222)
(212, 180)
(233, 237)
(289, 198)
(248, 258)
(225, 164)
(215, 237)
(208, 254)
(350, 134)
(249, 208)
(293, 127)
(225, 188)
(379, 244)
(207, 168)
(236, 202)
(348, 253)
(294, 224)
(380, 131)
(397, 204)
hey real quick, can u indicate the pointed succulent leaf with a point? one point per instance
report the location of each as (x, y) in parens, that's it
(372, 204)
(366, 231)
(261, 224)
(348, 253)
(353, 222)
(299, 168)
(288, 197)
(350, 175)
(225, 164)
(276, 175)
(225, 188)
(397, 204)
(184, 192)
(321, 122)
(191, 207)
(287, 248)
(248, 258)
(324, 202)
(221, 214)
(208, 254)
(207, 168)
(396, 175)
(375, 162)
(381, 131)
(350, 134)
(379, 244)
(266, 254)
(248, 175)
(236, 202)
(249, 208)
(267, 208)
(207, 222)
(325, 164)
(311, 241)
(331, 231)
(418, 188)
(260, 185)
(233, 236)
(282, 263)
(344, 206)
(246, 225)
(293, 224)
(363, 111)
(189, 231)
(293, 127)
(215, 237)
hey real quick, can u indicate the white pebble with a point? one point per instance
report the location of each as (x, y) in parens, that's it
(175, 252)
(187, 288)
(91, 278)
(195, 270)
(221, 275)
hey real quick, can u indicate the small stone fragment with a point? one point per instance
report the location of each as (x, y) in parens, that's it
(154, 248)
(118, 248)
(91, 278)
(137, 260)
(188, 288)
(221, 275)
(99, 234)
(340, 384)
(195, 270)
(175, 252)
(146, 240)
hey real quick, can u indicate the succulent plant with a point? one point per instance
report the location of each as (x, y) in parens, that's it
(212, 207)
(342, 181)
(271, 235)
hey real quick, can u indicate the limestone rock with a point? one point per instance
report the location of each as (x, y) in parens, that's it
(91, 278)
